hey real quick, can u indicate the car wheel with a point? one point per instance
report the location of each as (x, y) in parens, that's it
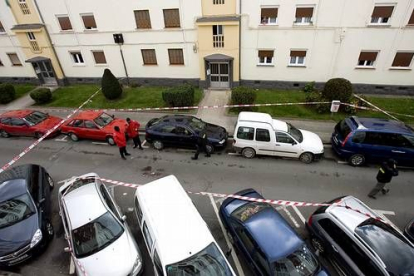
(317, 245)
(248, 152)
(110, 140)
(50, 182)
(210, 149)
(73, 137)
(158, 145)
(357, 160)
(37, 135)
(4, 134)
(49, 230)
(306, 157)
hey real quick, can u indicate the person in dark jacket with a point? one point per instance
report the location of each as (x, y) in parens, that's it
(201, 145)
(120, 141)
(133, 132)
(386, 172)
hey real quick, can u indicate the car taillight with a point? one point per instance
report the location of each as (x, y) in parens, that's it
(310, 220)
(345, 140)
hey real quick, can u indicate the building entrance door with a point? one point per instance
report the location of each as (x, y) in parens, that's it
(219, 75)
(44, 71)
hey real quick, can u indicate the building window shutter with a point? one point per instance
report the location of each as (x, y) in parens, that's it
(298, 53)
(368, 56)
(64, 22)
(99, 57)
(269, 12)
(402, 60)
(1, 28)
(263, 54)
(142, 19)
(89, 22)
(149, 57)
(14, 59)
(176, 56)
(172, 18)
(411, 21)
(304, 12)
(383, 12)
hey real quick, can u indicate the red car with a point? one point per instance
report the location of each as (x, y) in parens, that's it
(95, 125)
(27, 123)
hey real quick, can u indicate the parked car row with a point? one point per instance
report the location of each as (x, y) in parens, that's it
(358, 140)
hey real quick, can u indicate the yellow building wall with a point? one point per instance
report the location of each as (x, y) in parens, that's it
(208, 8)
(21, 18)
(44, 45)
(231, 45)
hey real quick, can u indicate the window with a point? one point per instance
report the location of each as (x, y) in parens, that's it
(149, 57)
(411, 20)
(176, 56)
(297, 58)
(218, 2)
(304, 15)
(157, 263)
(367, 58)
(90, 125)
(89, 21)
(64, 22)
(1, 28)
(268, 16)
(99, 57)
(282, 137)
(24, 7)
(172, 18)
(262, 135)
(248, 210)
(402, 59)
(166, 129)
(106, 196)
(381, 15)
(218, 37)
(77, 57)
(77, 123)
(142, 19)
(245, 133)
(14, 59)
(359, 137)
(246, 240)
(148, 237)
(265, 57)
(31, 36)
(17, 122)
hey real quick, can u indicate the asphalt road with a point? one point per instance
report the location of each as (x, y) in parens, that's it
(224, 172)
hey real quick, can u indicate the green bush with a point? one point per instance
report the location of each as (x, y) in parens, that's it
(179, 96)
(338, 89)
(243, 95)
(314, 96)
(41, 96)
(111, 88)
(309, 87)
(7, 93)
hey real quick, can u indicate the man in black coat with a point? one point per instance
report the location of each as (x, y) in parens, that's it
(201, 145)
(386, 172)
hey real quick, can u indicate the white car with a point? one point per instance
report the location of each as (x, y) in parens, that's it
(259, 133)
(99, 238)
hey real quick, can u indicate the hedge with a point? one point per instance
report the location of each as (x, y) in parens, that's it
(41, 96)
(338, 89)
(111, 88)
(179, 96)
(7, 93)
(243, 95)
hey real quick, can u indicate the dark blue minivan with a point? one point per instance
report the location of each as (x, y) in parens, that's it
(373, 140)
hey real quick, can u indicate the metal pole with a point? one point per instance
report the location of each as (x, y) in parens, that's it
(123, 61)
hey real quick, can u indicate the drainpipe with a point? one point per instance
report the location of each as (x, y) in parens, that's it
(240, 23)
(50, 39)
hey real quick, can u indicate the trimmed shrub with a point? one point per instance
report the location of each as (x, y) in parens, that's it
(309, 87)
(182, 95)
(338, 89)
(111, 88)
(243, 95)
(41, 96)
(314, 96)
(7, 93)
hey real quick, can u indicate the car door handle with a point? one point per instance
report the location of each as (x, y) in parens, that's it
(398, 151)
(334, 248)
(277, 145)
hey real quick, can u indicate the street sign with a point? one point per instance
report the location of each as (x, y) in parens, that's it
(335, 106)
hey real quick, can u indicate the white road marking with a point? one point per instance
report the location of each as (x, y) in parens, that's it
(341, 162)
(100, 143)
(232, 153)
(302, 218)
(124, 194)
(229, 245)
(291, 217)
(62, 139)
(130, 209)
(143, 143)
(71, 266)
(383, 212)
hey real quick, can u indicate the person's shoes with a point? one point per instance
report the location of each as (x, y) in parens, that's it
(385, 191)
(371, 196)
(194, 158)
(123, 157)
(141, 148)
(134, 147)
(127, 154)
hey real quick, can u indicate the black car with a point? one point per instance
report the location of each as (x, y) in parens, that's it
(183, 131)
(25, 213)
(409, 231)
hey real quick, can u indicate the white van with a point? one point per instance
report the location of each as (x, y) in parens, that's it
(259, 133)
(176, 236)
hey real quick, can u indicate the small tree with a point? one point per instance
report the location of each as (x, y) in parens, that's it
(7, 93)
(338, 89)
(111, 88)
(41, 96)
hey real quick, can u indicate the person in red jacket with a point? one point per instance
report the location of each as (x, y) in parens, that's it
(132, 130)
(120, 141)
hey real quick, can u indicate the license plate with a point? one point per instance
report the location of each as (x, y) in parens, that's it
(19, 259)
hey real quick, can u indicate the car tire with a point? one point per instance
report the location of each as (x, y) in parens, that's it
(4, 134)
(50, 182)
(110, 140)
(317, 245)
(49, 230)
(248, 153)
(37, 135)
(158, 145)
(73, 137)
(356, 160)
(210, 149)
(306, 157)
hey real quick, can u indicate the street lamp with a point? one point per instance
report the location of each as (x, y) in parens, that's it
(119, 39)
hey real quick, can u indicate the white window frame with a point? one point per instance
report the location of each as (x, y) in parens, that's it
(297, 59)
(267, 61)
(83, 22)
(366, 62)
(99, 51)
(31, 36)
(379, 20)
(60, 27)
(268, 21)
(305, 20)
(75, 57)
(400, 67)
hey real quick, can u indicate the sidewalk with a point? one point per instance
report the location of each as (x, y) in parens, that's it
(25, 101)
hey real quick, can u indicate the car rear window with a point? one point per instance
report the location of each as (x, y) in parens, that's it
(246, 211)
(245, 133)
(343, 128)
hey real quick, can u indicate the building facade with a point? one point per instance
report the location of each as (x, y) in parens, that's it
(211, 43)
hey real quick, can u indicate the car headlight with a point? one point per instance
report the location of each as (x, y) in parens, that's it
(37, 237)
(222, 141)
(137, 265)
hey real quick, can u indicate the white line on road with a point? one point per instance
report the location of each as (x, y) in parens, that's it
(291, 217)
(229, 245)
(143, 143)
(383, 212)
(62, 139)
(232, 153)
(302, 218)
(341, 162)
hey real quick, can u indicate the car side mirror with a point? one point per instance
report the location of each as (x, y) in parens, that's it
(123, 218)
(228, 253)
(113, 116)
(67, 250)
(293, 143)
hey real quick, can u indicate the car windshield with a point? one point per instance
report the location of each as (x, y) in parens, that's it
(103, 120)
(197, 124)
(35, 118)
(96, 235)
(15, 210)
(299, 263)
(296, 133)
(208, 262)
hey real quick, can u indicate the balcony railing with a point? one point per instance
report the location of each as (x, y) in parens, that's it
(218, 41)
(35, 47)
(24, 7)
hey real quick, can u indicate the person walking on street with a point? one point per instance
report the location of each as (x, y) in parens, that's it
(201, 145)
(133, 132)
(120, 141)
(386, 172)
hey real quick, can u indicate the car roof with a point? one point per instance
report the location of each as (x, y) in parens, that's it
(17, 113)
(383, 125)
(180, 232)
(256, 117)
(175, 118)
(83, 205)
(87, 115)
